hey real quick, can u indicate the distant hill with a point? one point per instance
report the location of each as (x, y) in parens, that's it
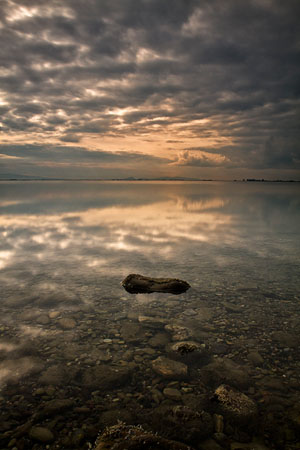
(17, 176)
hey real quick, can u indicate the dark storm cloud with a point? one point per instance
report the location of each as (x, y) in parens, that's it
(67, 64)
(75, 155)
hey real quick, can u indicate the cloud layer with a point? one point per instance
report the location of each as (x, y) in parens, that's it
(198, 84)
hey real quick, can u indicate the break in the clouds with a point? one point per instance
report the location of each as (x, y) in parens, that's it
(118, 88)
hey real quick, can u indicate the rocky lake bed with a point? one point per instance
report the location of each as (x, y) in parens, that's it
(209, 370)
(208, 364)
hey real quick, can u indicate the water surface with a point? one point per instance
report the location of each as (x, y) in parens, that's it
(66, 247)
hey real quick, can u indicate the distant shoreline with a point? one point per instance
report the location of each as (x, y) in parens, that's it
(248, 180)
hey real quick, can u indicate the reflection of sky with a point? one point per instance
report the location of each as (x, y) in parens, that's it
(68, 245)
(115, 228)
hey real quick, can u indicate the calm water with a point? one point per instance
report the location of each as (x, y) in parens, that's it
(66, 321)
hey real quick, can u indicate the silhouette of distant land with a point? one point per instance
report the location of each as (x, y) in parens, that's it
(21, 177)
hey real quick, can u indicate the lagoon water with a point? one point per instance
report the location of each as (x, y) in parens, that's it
(71, 335)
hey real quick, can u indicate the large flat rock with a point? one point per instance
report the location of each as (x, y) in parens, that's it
(138, 284)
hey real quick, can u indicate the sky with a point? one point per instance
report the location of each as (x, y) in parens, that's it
(150, 88)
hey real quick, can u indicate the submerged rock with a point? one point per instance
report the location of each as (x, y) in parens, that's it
(41, 434)
(237, 407)
(121, 437)
(138, 284)
(179, 332)
(184, 347)
(169, 368)
(225, 371)
(105, 377)
(183, 423)
(67, 323)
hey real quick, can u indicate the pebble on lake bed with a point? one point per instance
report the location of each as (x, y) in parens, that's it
(41, 434)
(169, 368)
(66, 323)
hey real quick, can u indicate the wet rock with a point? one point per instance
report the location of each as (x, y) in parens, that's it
(272, 384)
(53, 375)
(210, 444)
(112, 416)
(136, 284)
(190, 353)
(223, 370)
(190, 312)
(152, 322)
(222, 439)
(132, 332)
(159, 340)
(66, 323)
(183, 423)
(77, 438)
(29, 314)
(172, 394)
(179, 332)
(294, 417)
(105, 377)
(54, 314)
(55, 406)
(121, 437)
(255, 358)
(185, 347)
(253, 445)
(169, 368)
(218, 423)
(237, 407)
(41, 434)
(233, 308)
(43, 319)
(157, 396)
(285, 339)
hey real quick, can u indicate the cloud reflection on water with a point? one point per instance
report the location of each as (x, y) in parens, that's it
(89, 223)
(67, 244)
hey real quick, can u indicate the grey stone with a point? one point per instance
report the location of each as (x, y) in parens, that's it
(184, 423)
(172, 394)
(223, 370)
(41, 434)
(152, 322)
(159, 340)
(285, 339)
(105, 377)
(179, 332)
(210, 444)
(53, 375)
(55, 406)
(66, 323)
(43, 319)
(169, 368)
(255, 358)
(132, 332)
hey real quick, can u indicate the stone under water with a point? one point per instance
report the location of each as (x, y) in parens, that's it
(139, 284)
(125, 437)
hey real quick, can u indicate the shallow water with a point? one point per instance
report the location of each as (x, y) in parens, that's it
(65, 318)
